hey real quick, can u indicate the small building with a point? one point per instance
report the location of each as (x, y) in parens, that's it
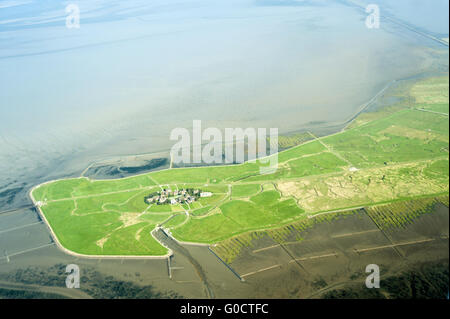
(206, 194)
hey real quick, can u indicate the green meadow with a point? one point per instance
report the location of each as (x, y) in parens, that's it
(393, 155)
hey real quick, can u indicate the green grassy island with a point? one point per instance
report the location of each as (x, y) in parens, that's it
(395, 154)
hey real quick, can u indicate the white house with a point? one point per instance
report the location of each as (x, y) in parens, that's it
(206, 194)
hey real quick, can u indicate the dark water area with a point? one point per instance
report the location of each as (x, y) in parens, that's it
(105, 171)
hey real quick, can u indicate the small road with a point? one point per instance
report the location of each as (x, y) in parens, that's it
(330, 149)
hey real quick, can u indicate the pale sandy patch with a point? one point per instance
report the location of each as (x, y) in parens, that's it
(129, 219)
(102, 242)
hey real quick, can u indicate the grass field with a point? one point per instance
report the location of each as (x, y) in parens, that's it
(393, 155)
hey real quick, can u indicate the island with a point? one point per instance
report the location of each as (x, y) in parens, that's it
(392, 155)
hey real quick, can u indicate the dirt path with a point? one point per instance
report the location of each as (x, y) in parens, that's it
(429, 111)
(330, 149)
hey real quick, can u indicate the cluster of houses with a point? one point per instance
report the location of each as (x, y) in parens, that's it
(172, 197)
